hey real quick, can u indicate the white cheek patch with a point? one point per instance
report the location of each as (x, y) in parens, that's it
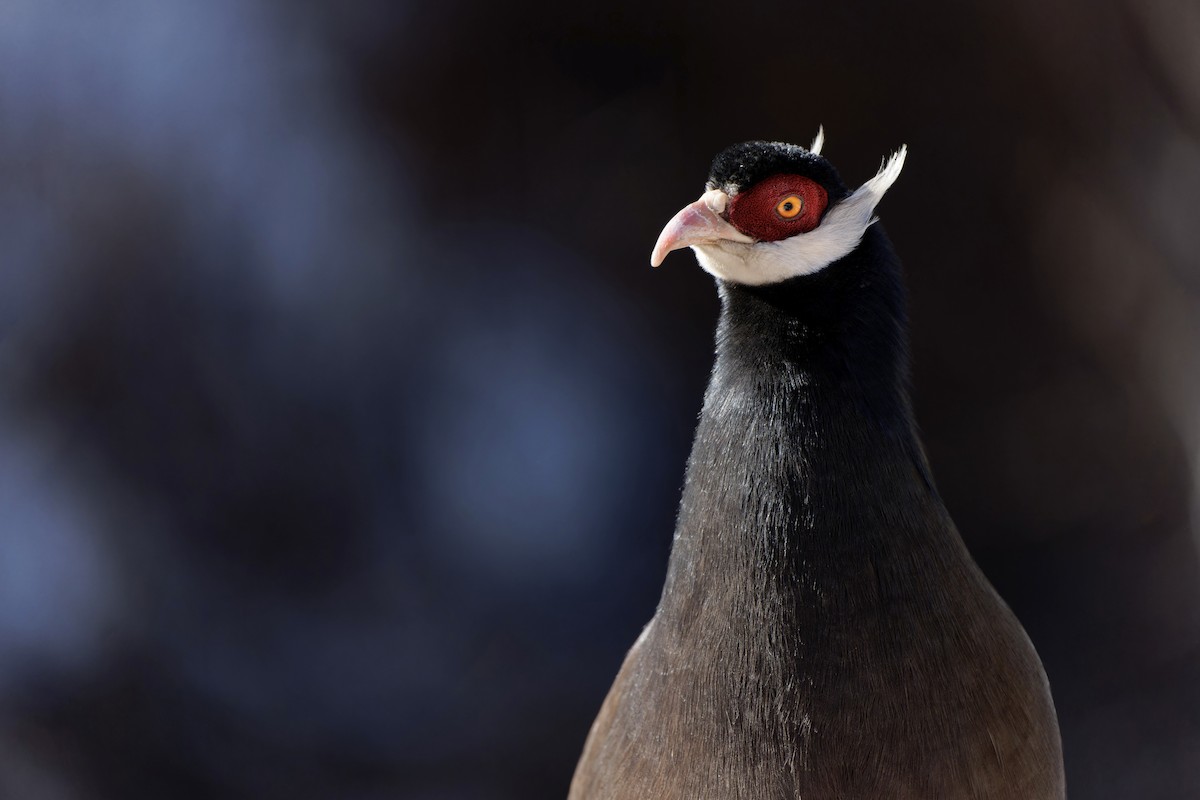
(838, 234)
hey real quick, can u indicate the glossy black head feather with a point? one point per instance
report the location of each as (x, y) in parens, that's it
(742, 165)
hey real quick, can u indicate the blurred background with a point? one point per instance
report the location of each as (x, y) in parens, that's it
(343, 422)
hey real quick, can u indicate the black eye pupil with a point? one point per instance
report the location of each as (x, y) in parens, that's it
(787, 206)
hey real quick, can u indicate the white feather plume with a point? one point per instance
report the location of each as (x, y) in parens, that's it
(818, 142)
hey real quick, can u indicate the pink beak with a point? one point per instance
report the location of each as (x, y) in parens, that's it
(698, 223)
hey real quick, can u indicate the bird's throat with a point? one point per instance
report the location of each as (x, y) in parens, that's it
(805, 448)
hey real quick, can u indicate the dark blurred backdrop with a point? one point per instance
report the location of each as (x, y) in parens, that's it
(342, 420)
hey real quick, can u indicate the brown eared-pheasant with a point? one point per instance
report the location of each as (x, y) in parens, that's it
(823, 633)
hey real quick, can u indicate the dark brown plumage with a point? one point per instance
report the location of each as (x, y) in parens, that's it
(823, 633)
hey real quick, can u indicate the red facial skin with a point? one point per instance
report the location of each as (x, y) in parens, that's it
(754, 211)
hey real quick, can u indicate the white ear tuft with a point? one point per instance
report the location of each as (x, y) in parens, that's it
(818, 142)
(859, 208)
(889, 170)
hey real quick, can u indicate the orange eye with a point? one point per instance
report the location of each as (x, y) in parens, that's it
(790, 206)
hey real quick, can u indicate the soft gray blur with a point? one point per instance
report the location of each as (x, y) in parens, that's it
(342, 420)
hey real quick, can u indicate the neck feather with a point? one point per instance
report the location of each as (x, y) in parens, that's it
(805, 458)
